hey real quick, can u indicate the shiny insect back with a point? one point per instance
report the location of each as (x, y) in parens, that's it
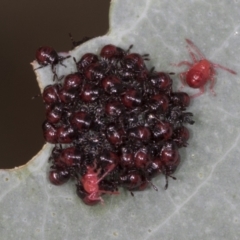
(45, 56)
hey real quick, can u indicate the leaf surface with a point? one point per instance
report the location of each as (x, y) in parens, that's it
(204, 201)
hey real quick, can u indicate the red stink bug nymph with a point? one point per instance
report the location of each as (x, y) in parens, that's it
(114, 122)
(48, 56)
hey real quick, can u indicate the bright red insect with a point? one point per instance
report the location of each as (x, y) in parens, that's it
(90, 182)
(200, 70)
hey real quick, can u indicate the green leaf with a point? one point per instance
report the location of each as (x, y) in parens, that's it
(204, 201)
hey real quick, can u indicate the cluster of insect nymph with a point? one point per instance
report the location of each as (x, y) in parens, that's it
(115, 123)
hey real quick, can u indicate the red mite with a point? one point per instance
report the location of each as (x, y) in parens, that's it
(200, 71)
(90, 182)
